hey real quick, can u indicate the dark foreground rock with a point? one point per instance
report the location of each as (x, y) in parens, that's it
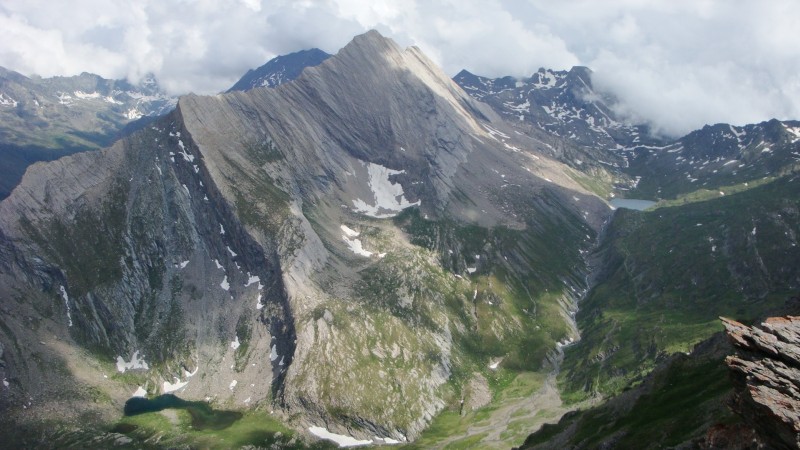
(767, 376)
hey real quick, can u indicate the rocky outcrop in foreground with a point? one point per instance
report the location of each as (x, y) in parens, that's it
(767, 374)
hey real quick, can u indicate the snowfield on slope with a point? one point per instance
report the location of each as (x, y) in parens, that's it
(388, 198)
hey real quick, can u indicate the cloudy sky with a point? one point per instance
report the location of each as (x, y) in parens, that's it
(676, 64)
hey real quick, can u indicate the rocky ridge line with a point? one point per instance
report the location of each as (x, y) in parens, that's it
(767, 376)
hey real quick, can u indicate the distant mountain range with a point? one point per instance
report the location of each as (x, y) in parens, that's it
(42, 119)
(45, 118)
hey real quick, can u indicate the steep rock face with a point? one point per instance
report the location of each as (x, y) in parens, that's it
(131, 253)
(158, 240)
(766, 370)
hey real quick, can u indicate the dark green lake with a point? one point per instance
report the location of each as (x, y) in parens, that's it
(204, 417)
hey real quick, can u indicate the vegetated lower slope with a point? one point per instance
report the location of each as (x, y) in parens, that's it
(691, 400)
(668, 273)
(42, 119)
(248, 248)
(674, 405)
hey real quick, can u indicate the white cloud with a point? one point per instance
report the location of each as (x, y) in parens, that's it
(674, 64)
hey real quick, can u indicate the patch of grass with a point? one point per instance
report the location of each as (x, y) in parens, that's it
(446, 424)
(262, 151)
(259, 202)
(679, 401)
(702, 195)
(508, 386)
(90, 246)
(251, 428)
(466, 443)
(243, 332)
(599, 182)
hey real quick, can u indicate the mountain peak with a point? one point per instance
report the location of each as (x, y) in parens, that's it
(373, 36)
(370, 45)
(280, 69)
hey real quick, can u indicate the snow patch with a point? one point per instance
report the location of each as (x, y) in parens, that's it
(172, 387)
(273, 353)
(140, 393)
(233, 254)
(86, 95)
(795, 131)
(225, 285)
(187, 157)
(219, 266)
(349, 231)
(251, 279)
(566, 342)
(340, 439)
(66, 302)
(356, 246)
(259, 305)
(183, 264)
(495, 132)
(7, 101)
(131, 114)
(134, 363)
(388, 198)
(235, 344)
(233, 384)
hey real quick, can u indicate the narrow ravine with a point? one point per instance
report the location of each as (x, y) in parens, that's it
(514, 419)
